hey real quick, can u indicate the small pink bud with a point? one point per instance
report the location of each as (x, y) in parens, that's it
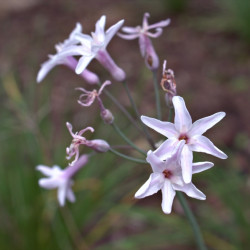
(107, 116)
(99, 145)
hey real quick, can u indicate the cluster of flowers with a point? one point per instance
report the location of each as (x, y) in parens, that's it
(172, 162)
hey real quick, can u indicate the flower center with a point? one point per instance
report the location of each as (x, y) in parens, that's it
(167, 173)
(184, 137)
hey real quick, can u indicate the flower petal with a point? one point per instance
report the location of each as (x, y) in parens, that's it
(131, 30)
(182, 119)
(99, 29)
(201, 143)
(158, 166)
(46, 68)
(166, 148)
(168, 194)
(165, 128)
(128, 37)
(61, 194)
(70, 195)
(151, 186)
(48, 171)
(186, 164)
(48, 183)
(201, 166)
(160, 24)
(191, 191)
(112, 31)
(202, 125)
(83, 63)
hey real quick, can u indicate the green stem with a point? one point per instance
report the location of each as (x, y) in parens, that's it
(127, 157)
(192, 220)
(117, 129)
(150, 140)
(157, 95)
(125, 112)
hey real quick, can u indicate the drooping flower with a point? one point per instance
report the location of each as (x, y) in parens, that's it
(98, 145)
(65, 56)
(167, 177)
(99, 42)
(143, 33)
(61, 179)
(88, 97)
(183, 129)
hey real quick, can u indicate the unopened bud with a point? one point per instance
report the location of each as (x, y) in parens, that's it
(99, 145)
(107, 116)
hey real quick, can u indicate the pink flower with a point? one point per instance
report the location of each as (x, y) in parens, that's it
(167, 177)
(65, 56)
(143, 33)
(98, 145)
(99, 41)
(184, 129)
(61, 179)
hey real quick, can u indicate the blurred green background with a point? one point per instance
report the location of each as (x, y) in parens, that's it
(207, 45)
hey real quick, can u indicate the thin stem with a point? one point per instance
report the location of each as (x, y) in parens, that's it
(127, 157)
(192, 220)
(125, 112)
(117, 129)
(150, 140)
(157, 95)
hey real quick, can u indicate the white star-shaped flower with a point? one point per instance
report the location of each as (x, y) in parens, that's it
(61, 179)
(65, 55)
(184, 129)
(99, 42)
(167, 177)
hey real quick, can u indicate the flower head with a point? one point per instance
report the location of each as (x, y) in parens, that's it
(143, 33)
(167, 177)
(65, 52)
(61, 179)
(99, 145)
(99, 42)
(191, 133)
(88, 97)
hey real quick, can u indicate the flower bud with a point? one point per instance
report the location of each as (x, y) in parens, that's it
(99, 145)
(107, 116)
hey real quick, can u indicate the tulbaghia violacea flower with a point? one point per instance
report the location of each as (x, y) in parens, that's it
(100, 41)
(184, 129)
(65, 55)
(168, 84)
(143, 33)
(167, 177)
(88, 97)
(61, 179)
(98, 145)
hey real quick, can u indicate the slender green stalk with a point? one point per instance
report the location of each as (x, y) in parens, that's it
(150, 140)
(157, 95)
(125, 112)
(117, 129)
(127, 157)
(192, 220)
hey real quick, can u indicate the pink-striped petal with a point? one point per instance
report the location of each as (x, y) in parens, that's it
(165, 128)
(191, 191)
(158, 166)
(166, 148)
(201, 143)
(186, 164)
(182, 119)
(202, 125)
(151, 186)
(201, 166)
(168, 194)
